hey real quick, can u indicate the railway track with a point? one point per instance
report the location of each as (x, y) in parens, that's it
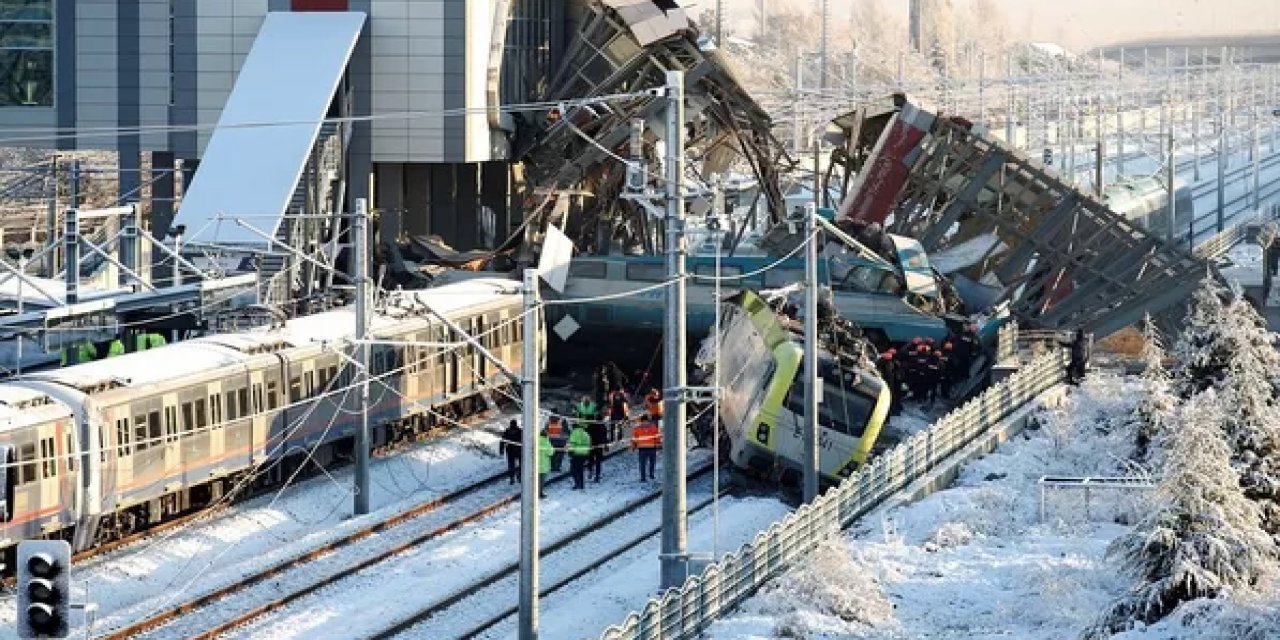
(501, 585)
(388, 537)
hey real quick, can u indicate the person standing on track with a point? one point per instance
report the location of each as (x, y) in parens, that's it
(511, 445)
(653, 404)
(545, 451)
(646, 439)
(618, 413)
(599, 433)
(556, 433)
(579, 449)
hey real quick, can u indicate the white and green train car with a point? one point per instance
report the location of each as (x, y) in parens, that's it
(762, 406)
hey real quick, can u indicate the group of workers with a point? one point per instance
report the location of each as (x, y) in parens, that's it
(926, 369)
(86, 351)
(587, 436)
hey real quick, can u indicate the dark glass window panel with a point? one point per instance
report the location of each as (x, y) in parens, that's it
(26, 78)
(26, 9)
(26, 35)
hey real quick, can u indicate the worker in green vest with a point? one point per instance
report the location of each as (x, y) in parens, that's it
(579, 449)
(115, 348)
(150, 340)
(79, 353)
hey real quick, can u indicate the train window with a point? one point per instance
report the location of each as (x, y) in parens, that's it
(323, 375)
(646, 272)
(154, 418)
(245, 411)
(588, 270)
(27, 460)
(71, 455)
(202, 418)
(782, 277)
(272, 398)
(231, 405)
(122, 436)
(140, 437)
(188, 417)
(48, 461)
(333, 371)
(295, 389)
(157, 430)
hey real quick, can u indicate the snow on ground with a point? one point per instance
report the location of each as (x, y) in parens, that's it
(976, 561)
(372, 600)
(174, 566)
(604, 597)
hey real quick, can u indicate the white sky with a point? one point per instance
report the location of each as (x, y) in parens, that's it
(1087, 23)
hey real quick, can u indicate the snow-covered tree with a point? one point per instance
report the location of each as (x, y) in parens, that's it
(1154, 412)
(1250, 404)
(1202, 537)
(1203, 350)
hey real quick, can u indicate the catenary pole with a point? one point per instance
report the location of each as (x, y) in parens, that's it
(811, 358)
(360, 264)
(674, 525)
(529, 479)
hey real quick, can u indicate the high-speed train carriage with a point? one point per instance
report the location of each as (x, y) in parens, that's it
(160, 432)
(763, 404)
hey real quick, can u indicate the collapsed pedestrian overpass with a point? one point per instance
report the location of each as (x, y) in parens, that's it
(1011, 230)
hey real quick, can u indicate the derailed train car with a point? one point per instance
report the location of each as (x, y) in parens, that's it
(97, 451)
(762, 407)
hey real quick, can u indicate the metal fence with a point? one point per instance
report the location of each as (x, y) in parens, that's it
(686, 611)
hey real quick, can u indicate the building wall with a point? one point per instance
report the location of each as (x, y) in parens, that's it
(158, 63)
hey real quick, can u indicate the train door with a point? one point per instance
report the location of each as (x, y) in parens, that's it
(258, 424)
(412, 373)
(217, 427)
(482, 363)
(120, 472)
(452, 358)
(68, 464)
(182, 442)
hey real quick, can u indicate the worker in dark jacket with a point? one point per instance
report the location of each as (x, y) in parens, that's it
(618, 413)
(889, 370)
(510, 444)
(599, 434)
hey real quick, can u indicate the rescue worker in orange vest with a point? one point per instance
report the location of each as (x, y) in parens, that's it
(558, 438)
(646, 439)
(653, 404)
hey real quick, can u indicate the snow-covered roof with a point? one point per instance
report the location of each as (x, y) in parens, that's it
(212, 352)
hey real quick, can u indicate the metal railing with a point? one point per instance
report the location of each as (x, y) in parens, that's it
(685, 612)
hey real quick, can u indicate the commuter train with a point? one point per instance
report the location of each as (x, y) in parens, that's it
(97, 451)
(762, 405)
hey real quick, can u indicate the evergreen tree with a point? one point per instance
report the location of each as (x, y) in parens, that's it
(1153, 413)
(1252, 415)
(1203, 535)
(1202, 351)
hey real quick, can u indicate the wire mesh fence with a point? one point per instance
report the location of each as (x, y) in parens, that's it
(686, 611)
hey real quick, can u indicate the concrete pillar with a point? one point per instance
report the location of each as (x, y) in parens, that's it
(467, 206)
(495, 181)
(443, 217)
(129, 170)
(418, 204)
(389, 199)
(163, 188)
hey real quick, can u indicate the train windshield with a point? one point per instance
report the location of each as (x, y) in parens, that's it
(847, 402)
(745, 365)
